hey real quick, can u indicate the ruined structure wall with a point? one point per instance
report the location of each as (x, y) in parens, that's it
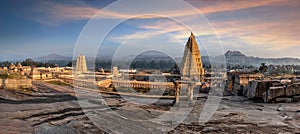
(257, 88)
(273, 93)
(245, 79)
(16, 83)
(238, 84)
(42, 76)
(293, 89)
(1, 83)
(269, 90)
(35, 77)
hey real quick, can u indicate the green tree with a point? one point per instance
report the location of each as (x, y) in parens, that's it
(29, 62)
(263, 68)
(70, 64)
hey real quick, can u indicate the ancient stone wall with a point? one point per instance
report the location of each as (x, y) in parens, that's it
(16, 83)
(272, 89)
(273, 93)
(293, 89)
(1, 83)
(258, 87)
(238, 83)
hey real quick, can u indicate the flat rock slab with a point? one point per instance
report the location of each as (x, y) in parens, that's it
(54, 109)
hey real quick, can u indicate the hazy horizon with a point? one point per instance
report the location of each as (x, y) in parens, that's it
(16, 59)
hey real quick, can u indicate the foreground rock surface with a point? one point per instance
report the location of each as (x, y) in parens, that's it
(55, 109)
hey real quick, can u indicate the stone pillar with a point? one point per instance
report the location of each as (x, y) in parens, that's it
(177, 92)
(190, 92)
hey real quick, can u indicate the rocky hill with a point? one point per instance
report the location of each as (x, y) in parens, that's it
(52, 57)
(236, 57)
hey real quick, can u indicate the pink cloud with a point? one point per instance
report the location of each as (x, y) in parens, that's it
(56, 13)
(51, 13)
(208, 7)
(278, 34)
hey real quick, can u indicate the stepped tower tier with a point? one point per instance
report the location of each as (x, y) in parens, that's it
(81, 66)
(191, 63)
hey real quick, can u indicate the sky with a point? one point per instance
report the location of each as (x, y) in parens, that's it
(260, 28)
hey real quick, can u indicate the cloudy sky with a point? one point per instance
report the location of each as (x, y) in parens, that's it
(263, 28)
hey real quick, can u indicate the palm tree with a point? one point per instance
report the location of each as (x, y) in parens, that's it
(263, 68)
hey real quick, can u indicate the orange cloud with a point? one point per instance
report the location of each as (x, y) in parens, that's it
(207, 7)
(57, 12)
(277, 35)
(52, 13)
(157, 28)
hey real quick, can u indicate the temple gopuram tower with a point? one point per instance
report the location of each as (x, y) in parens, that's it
(81, 64)
(191, 62)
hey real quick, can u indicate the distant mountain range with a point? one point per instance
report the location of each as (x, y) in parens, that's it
(236, 57)
(232, 58)
(52, 57)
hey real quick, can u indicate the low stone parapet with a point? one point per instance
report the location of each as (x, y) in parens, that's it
(16, 83)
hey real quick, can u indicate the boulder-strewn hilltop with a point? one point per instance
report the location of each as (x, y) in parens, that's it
(236, 57)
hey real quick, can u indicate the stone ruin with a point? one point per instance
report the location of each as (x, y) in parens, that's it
(254, 87)
(16, 84)
(285, 90)
(18, 81)
(237, 82)
(22, 70)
